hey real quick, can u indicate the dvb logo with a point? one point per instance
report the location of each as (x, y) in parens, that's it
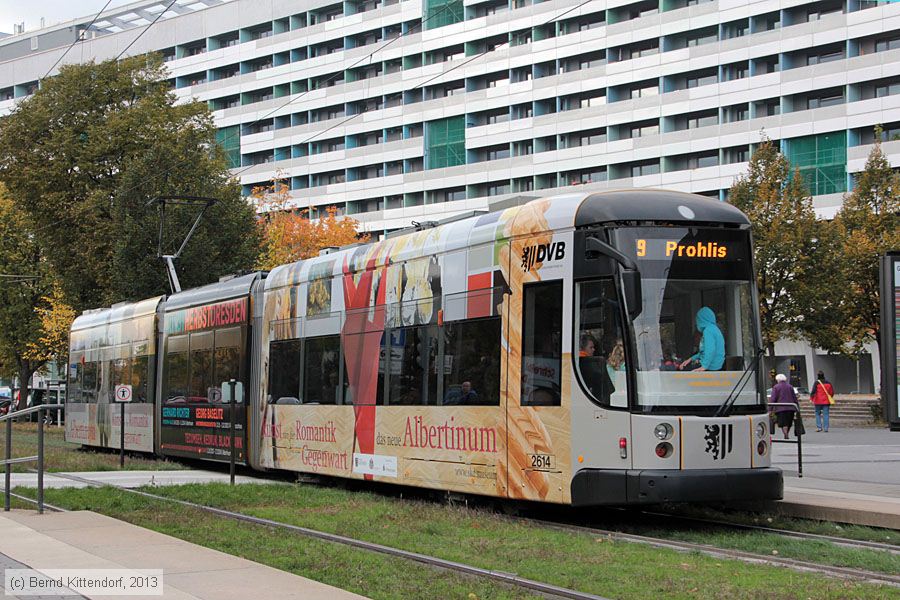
(542, 253)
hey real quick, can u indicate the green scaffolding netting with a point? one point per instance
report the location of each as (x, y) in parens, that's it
(439, 13)
(821, 160)
(230, 140)
(445, 143)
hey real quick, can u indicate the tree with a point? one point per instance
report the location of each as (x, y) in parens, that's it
(786, 236)
(56, 318)
(83, 156)
(869, 226)
(289, 235)
(25, 284)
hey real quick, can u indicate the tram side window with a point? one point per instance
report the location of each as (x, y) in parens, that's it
(177, 369)
(284, 372)
(321, 368)
(413, 378)
(201, 366)
(600, 349)
(140, 371)
(89, 382)
(105, 369)
(73, 387)
(542, 344)
(472, 362)
(361, 385)
(228, 356)
(120, 372)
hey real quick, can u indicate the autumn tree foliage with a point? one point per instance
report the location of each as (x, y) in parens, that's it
(56, 318)
(785, 234)
(290, 235)
(869, 226)
(34, 316)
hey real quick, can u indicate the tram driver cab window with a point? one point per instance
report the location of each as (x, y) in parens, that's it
(601, 351)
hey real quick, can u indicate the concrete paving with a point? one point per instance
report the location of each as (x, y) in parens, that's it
(850, 475)
(87, 540)
(129, 479)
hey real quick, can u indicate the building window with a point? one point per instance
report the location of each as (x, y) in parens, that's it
(888, 89)
(522, 111)
(884, 45)
(643, 92)
(498, 189)
(637, 131)
(445, 143)
(826, 100)
(648, 168)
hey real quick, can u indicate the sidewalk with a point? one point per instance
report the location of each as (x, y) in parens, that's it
(87, 540)
(850, 475)
(129, 479)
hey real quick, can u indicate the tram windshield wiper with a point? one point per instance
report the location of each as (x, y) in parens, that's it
(725, 408)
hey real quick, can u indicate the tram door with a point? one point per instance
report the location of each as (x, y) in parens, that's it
(600, 386)
(537, 407)
(600, 417)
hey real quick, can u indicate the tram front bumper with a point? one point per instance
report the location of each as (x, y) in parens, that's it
(592, 487)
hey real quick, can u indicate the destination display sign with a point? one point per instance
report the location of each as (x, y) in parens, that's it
(691, 252)
(197, 318)
(661, 249)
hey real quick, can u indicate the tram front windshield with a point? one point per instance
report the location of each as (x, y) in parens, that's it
(696, 333)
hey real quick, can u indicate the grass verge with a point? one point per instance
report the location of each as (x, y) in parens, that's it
(579, 561)
(778, 521)
(60, 455)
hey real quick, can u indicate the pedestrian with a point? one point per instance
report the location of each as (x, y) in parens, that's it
(784, 400)
(822, 396)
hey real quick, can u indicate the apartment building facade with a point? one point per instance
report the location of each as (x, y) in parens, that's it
(405, 110)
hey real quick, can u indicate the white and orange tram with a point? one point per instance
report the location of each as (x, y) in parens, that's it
(584, 349)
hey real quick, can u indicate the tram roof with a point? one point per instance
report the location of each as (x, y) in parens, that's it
(213, 292)
(570, 210)
(655, 205)
(116, 313)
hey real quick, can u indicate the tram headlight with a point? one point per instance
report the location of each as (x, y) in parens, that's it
(663, 431)
(761, 429)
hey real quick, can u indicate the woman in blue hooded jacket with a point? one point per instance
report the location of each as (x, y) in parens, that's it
(712, 343)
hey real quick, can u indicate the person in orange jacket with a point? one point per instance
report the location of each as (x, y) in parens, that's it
(822, 395)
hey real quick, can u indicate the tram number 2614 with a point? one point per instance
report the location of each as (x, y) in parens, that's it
(542, 462)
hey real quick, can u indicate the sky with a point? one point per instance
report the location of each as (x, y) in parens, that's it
(53, 11)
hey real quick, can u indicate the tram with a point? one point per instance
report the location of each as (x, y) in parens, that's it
(585, 349)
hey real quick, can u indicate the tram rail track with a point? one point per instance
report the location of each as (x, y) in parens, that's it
(715, 551)
(546, 589)
(511, 578)
(837, 540)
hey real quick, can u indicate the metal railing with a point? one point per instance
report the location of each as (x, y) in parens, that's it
(9, 461)
(798, 437)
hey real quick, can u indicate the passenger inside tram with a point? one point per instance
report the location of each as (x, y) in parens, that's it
(596, 378)
(710, 355)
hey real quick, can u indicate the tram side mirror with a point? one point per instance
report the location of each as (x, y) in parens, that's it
(631, 282)
(595, 249)
(631, 277)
